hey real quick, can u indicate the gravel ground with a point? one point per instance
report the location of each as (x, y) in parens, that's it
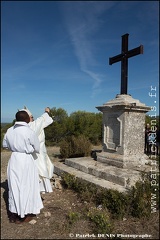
(52, 222)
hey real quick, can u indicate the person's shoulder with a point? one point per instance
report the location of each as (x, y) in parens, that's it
(10, 128)
(30, 130)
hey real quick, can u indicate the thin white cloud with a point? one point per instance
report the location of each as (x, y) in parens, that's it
(83, 21)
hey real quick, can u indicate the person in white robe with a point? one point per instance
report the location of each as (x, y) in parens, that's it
(22, 173)
(44, 164)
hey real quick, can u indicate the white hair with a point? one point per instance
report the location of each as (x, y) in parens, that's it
(26, 110)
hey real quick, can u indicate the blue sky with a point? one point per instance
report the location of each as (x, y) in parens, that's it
(56, 54)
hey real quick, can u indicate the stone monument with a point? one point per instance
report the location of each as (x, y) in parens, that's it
(123, 121)
(122, 160)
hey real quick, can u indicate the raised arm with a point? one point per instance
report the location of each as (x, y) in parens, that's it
(42, 122)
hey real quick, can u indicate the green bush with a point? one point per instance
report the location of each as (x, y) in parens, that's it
(140, 197)
(116, 202)
(69, 181)
(112, 200)
(75, 147)
(137, 202)
(101, 221)
(73, 217)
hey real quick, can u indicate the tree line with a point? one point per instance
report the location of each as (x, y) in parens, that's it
(76, 124)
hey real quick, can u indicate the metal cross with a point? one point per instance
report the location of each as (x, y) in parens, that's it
(123, 57)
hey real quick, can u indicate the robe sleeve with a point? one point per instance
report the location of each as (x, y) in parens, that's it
(4, 144)
(40, 123)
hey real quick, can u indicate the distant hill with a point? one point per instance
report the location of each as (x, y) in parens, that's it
(4, 124)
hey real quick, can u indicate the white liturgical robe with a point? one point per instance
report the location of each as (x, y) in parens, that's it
(44, 164)
(22, 172)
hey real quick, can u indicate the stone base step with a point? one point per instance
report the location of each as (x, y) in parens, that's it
(60, 168)
(110, 159)
(121, 161)
(120, 176)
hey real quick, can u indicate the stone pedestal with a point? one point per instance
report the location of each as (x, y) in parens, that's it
(123, 132)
